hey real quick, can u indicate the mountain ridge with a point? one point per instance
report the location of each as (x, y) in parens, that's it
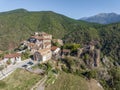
(103, 18)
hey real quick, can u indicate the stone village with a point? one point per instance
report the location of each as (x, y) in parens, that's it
(41, 48)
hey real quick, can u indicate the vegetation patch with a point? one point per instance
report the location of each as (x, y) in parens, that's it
(67, 81)
(19, 80)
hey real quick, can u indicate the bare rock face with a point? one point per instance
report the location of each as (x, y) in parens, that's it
(90, 55)
(94, 85)
(80, 51)
(107, 62)
(97, 57)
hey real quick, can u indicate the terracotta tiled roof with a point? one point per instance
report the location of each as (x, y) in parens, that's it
(44, 51)
(47, 43)
(12, 55)
(53, 48)
(31, 44)
(66, 50)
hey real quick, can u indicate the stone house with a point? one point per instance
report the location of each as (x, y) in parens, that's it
(65, 52)
(42, 41)
(39, 41)
(42, 55)
(40, 46)
(14, 58)
(55, 50)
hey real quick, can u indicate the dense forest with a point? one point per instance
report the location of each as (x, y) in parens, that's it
(108, 37)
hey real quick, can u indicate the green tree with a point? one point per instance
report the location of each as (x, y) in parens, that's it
(115, 72)
(25, 55)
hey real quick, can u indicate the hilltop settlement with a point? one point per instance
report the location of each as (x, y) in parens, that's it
(41, 54)
(39, 46)
(42, 48)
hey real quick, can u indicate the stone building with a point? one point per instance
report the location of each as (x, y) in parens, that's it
(41, 48)
(42, 55)
(12, 58)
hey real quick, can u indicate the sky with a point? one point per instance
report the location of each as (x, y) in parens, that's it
(71, 8)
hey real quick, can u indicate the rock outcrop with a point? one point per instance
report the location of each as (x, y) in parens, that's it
(90, 55)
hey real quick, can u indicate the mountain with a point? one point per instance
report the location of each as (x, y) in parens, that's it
(21, 10)
(17, 25)
(103, 18)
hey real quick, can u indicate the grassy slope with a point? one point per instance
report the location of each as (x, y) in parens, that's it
(20, 80)
(68, 82)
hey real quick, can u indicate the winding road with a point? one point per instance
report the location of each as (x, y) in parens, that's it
(11, 68)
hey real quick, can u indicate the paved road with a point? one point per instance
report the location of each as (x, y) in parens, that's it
(11, 68)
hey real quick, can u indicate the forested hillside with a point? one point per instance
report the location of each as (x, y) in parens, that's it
(19, 24)
(108, 37)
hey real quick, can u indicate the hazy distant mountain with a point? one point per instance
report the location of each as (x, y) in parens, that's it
(103, 18)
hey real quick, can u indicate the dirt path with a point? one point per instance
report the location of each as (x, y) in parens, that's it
(94, 85)
(40, 84)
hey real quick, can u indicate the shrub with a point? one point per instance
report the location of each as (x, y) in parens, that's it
(25, 55)
(90, 74)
